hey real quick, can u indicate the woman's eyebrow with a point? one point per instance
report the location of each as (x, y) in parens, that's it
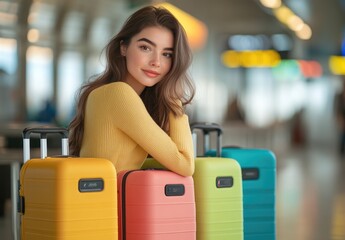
(152, 43)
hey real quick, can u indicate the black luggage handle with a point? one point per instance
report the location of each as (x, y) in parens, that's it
(206, 129)
(43, 131)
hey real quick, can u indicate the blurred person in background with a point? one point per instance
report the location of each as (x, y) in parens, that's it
(340, 118)
(6, 112)
(48, 113)
(7, 108)
(235, 111)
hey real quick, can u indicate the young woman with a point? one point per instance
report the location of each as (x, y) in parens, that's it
(136, 106)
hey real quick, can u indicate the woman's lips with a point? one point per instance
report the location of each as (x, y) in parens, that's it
(151, 74)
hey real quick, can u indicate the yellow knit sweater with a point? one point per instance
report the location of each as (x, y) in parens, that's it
(119, 128)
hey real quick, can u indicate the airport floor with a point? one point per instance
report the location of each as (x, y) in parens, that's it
(310, 196)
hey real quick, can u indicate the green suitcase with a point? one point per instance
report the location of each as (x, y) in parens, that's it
(218, 194)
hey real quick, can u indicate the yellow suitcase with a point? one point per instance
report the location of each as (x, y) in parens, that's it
(66, 198)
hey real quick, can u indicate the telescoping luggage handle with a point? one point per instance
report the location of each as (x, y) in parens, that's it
(206, 129)
(43, 132)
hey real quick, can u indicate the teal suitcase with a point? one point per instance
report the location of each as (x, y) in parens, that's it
(259, 186)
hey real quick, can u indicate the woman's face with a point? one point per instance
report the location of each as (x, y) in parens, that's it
(148, 57)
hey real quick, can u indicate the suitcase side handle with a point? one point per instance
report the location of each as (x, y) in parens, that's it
(206, 129)
(43, 132)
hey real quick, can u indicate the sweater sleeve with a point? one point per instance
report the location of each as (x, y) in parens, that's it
(175, 152)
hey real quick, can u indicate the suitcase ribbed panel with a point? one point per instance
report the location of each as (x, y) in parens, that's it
(56, 209)
(219, 210)
(258, 194)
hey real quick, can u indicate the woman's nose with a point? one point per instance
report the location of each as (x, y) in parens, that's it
(155, 60)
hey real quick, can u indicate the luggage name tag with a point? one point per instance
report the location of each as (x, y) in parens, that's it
(91, 185)
(250, 173)
(174, 190)
(224, 182)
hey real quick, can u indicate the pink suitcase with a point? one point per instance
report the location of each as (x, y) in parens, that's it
(155, 205)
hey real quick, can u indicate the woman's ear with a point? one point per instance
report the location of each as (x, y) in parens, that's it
(123, 48)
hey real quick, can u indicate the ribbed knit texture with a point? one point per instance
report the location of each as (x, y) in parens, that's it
(119, 128)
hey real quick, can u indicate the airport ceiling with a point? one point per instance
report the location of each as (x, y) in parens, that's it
(325, 17)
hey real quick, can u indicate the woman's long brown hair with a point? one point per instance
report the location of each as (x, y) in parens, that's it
(159, 99)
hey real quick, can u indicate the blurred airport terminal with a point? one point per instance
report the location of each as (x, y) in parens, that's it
(271, 72)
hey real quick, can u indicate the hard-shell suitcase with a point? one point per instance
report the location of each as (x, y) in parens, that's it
(259, 184)
(218, 194)
(66, 198)
(156, 205)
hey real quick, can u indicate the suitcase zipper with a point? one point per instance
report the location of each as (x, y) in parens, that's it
(124, 179)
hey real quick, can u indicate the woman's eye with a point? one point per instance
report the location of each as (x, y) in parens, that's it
(168, 55)
(144, 48)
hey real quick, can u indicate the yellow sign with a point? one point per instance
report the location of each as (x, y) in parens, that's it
(248, 59)
(337, 65)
